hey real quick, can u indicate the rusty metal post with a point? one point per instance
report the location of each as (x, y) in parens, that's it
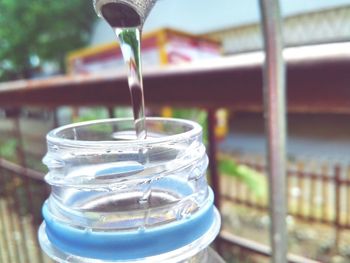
(55, 117)
(110, 111)
(337, 206)
(214, 176)
(22, 161)
(275, 115)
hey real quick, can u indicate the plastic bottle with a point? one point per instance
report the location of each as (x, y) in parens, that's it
(118, 199)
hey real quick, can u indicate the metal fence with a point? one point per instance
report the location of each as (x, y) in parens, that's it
(21, 198)
(317, 193)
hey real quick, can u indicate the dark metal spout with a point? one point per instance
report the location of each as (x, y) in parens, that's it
(120, 15)
(124, 13)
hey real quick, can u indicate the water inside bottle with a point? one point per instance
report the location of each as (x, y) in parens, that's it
(128, 204)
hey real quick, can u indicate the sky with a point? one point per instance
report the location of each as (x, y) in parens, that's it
(199, 16)
(202, 16)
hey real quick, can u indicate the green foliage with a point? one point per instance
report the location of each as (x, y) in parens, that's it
(8, 149)
(255, 181)
(123, 112)
(197, 115)
(130, 36)
(91, 114)
(44, 29)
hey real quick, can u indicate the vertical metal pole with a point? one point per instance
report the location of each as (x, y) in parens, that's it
(275, 114)
(22, 161)
(337, 199)
(55, 117)
(214, 176)
(213, 168)
(110, 110)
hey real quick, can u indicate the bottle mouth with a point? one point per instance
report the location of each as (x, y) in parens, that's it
(120, 132)
(107, 152)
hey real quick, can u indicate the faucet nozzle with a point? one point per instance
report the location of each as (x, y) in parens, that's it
(124, 13)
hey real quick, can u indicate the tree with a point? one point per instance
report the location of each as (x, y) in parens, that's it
(41, 30)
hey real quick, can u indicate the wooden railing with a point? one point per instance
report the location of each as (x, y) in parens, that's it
(317, 82)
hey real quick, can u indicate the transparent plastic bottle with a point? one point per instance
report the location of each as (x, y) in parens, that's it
(118, 199)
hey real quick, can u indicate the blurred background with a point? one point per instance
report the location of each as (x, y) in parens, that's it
(40, 40)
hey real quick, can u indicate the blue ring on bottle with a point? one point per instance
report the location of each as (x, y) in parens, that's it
(130, 245)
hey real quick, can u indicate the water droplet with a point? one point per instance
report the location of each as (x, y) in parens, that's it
(88, 231)
(195, 174)
(55, 148)
(75, 135)
(54, 164)
(118, 170)
(178, 215)
(186, 211)
(143, 156)
(113, 188)
(102, 189)
(143, 201)
(146, 196)
(142, 229)
(148, 181)
(69, 258)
